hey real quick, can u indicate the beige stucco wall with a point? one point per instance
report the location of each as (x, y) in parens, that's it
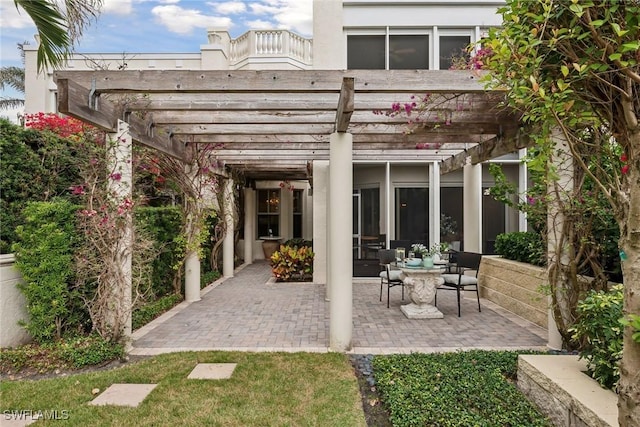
(515, 286)
(12, 305)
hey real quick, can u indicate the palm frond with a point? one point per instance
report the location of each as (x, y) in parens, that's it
(55, 43)
(12, 77)
(9, 103)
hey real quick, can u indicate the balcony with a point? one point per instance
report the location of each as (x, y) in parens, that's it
(270, 46)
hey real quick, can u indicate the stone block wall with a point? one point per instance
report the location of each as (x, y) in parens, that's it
(12, 305)
(515, 286)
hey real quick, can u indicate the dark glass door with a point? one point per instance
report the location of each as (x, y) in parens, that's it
(412, 214)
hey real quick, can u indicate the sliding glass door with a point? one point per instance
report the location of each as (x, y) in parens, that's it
(412, 214)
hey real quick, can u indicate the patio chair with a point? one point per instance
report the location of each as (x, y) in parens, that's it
(389, 275)
(459, 281)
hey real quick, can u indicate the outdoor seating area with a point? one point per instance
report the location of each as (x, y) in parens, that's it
(295, 317)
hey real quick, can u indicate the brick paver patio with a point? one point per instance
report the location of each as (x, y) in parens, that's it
(251, 312)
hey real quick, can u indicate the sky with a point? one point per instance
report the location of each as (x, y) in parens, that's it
(157, 26)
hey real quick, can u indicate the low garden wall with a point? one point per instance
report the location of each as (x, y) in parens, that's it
(12, 305)
(515, 286)
(559, 387)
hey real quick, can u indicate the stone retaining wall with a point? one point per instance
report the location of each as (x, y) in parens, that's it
(515, 286)
(558, 386)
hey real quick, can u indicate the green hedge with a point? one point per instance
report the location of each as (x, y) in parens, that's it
(45, 257)
(523, 246)
(163, 226)
(36, 166)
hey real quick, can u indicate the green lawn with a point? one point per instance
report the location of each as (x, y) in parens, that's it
(266, 389)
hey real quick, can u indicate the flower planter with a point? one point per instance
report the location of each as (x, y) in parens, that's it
(515, 286)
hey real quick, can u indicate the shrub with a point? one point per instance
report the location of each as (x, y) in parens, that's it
(36, 166)
(292, 263)
(146, 313)
(599, 334)
(523, 246)
(472, 388)
(299, 242)
(45, 258)
(162, 225)
(90, 350)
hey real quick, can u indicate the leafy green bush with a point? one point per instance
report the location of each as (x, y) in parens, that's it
(163, 226)
(89, 350)
(45, 258)
(292, 264)
(472, 388)
(523, 246)
(72, 352)
(149, 311)
(599, 334)
(36, 166)
(299, 242)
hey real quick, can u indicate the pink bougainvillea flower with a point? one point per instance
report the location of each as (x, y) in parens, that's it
(117, 176)
(77, 190)
(625, 169)
(623, 158)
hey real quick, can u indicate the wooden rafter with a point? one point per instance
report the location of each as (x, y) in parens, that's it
(274, 122)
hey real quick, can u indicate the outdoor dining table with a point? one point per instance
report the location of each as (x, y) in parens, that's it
(422, 283)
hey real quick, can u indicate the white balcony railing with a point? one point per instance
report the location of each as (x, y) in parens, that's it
(271, 44)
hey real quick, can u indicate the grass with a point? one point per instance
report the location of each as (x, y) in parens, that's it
(284, 389)
(466, 388)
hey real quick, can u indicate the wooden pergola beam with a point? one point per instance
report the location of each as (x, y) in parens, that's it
(272, 81)
(490, 149)
(79, 102)
(345, 105)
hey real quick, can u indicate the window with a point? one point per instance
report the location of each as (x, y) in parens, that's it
(268, 213)
(409, 52)
(405, 52)
(297, 213)
(452, 47)
(365, 53)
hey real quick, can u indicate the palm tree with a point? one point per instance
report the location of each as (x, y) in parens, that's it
(59, 25)
(12, 77)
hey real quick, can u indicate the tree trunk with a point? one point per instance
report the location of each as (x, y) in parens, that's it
(629, 389)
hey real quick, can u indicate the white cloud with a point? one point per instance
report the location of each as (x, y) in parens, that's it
(259, 24)
(183, 21)
(10, 17)
(229, 7)
(296, 15)
(117, 7)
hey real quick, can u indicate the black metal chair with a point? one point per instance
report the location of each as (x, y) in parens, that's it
(457, 279)
(389, 275)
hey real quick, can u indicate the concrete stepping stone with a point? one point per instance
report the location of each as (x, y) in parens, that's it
(124, 394)
(212, 371)
(17, 420)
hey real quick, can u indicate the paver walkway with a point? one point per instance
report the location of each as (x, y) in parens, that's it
(251, 312)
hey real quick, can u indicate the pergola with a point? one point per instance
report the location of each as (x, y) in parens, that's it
(277, 124)
(271, 124)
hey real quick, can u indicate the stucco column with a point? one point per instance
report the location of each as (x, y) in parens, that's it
(340, 241)
(523, 186)
(434, 203)
(563, 166)
(192, 260)
(249, 223)
(320, 230)
(472, 207)
(119, 162)
(227, 243)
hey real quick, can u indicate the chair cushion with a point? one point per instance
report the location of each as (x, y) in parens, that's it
(393, 274)
(464, 280)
